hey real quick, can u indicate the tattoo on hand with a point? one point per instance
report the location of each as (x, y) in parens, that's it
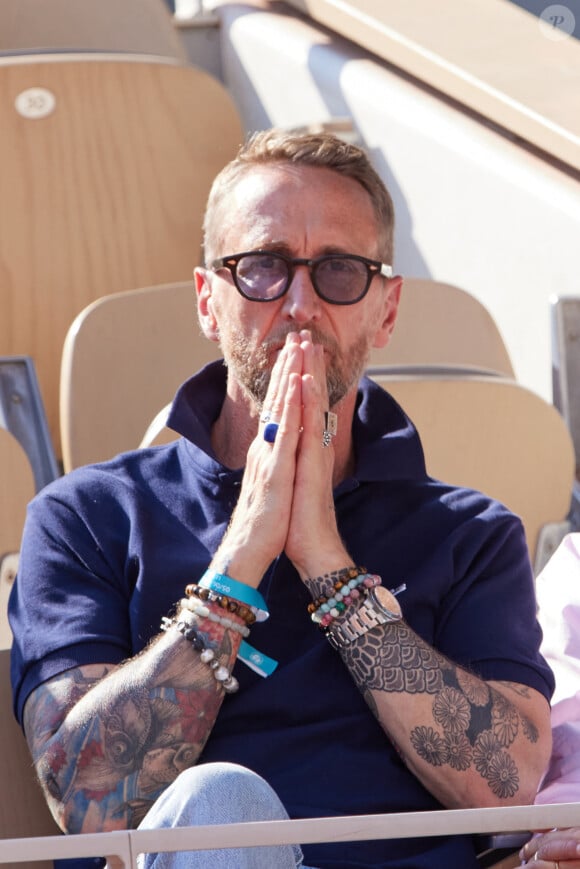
(473, 724)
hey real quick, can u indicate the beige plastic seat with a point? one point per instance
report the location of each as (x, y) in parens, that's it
(105, 167)
(144, 26)
(123, 356)
(444, 325)
(157, 432)
(494, 435)
(16, 491)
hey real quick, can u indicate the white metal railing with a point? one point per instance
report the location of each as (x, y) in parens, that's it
(121, 848)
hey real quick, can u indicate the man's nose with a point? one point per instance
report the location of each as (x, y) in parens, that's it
(301, 303)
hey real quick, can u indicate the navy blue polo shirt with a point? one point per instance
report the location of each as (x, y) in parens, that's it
(109, 548)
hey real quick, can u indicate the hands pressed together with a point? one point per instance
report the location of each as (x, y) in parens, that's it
(286, 502)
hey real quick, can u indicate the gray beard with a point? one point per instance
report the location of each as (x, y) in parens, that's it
(252, 370)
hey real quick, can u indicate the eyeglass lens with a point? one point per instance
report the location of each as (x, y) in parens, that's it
(262, 276)
(337, 279)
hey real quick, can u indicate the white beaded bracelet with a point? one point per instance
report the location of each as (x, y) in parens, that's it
(220, 673)
(203, 612)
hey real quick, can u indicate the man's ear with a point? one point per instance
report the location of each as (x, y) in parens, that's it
(392, 297)
(205, 308)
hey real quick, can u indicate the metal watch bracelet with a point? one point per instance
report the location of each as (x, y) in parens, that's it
(371, 613)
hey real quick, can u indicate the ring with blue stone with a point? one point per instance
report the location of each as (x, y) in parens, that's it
(270, 432)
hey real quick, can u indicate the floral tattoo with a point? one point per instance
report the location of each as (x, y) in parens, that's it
(473, 724)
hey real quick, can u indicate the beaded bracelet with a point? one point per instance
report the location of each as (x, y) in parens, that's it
(223, 601)
(335, 606)
(344, 576)
(239, 591)
(204, 612)
(220, 673)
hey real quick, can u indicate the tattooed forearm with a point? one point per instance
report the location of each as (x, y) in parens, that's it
(47, 706)
(394, 660)
(457, 721)
(470, 732)
(520, 690)
(106, 745)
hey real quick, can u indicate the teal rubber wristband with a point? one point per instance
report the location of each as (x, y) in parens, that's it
(255, 660)
(223, 584)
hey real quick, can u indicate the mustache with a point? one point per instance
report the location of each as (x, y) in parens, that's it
(318, 337)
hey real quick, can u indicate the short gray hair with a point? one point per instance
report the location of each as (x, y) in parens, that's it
(323, 150)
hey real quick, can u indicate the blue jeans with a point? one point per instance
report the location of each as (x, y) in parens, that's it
(219, 793)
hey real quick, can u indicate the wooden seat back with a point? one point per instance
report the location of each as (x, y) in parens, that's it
(105, 167)
(494, 435)
(144, 26)
(441, 324)
(123, 355)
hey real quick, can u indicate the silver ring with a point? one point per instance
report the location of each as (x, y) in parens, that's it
(330, 427)
(270, 432)
(330, 423)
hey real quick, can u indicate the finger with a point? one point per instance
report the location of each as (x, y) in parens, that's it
(313, 539)
(551, 848)
(315, 365)
(559, 848)
(289, 362)
(547, 863)
(291, 415)
(314, 436)
(283, 364)
(286, 403)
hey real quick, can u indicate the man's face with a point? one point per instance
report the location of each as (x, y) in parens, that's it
(302, 212)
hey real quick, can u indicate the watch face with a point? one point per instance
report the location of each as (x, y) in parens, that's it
(385, 601)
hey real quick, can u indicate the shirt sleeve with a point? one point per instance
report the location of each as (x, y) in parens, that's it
(486, 620)
(70, 601)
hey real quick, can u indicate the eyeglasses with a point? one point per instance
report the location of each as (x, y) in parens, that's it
(338, 278)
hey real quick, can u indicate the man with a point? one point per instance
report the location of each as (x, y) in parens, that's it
(290, 475)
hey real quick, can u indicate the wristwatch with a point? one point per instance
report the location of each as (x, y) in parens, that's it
(376, 609)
